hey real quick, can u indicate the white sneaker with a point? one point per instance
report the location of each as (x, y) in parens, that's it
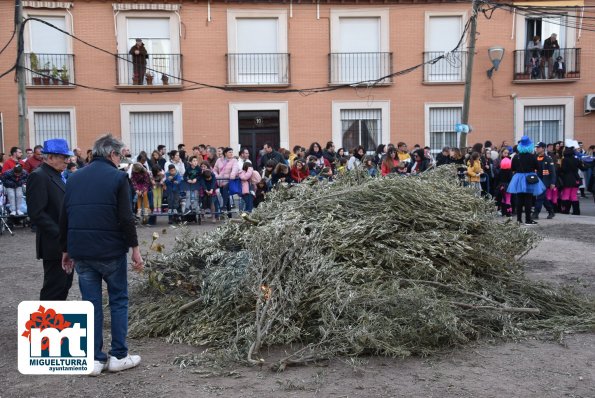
(98, 367)
(13, 213)
(20, 213)
(115, 365)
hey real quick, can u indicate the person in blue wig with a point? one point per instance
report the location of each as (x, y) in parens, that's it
(525, 183)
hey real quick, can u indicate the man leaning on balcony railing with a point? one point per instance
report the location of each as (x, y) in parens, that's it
(139, 62)
(550, 46)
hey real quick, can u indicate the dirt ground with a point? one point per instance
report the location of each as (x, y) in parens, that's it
(527, 368)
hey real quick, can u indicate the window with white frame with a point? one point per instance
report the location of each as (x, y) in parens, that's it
(544, 123)
(159, 32)
(48, 125)
(359, 46)
(49, 51)
(443, 33)
(528, 26)
(361, 127)
(150, 129)
(442, 121)
(257, 47)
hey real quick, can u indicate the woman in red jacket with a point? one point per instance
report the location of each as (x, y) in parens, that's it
(299, 170)
(390, 162)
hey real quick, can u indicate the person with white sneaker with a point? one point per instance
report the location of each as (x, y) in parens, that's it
(45, 193)
(96, 231)
(13, 181)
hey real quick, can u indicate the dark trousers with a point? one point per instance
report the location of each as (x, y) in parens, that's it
(56, 282)
(524, 200)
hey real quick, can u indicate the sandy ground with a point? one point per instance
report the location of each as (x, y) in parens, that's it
(528, 368)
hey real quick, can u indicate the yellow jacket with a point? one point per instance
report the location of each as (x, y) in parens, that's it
(474, 170)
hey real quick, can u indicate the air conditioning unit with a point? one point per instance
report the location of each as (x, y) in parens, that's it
(589, 103)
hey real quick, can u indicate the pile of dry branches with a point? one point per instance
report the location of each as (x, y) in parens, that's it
(385, 266)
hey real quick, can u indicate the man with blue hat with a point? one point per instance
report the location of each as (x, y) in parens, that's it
(45, 194)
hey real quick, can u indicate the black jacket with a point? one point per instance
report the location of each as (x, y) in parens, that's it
(549, 46)
(97, 221)
(45, 193)
(274, 155)
(525, 163)
(569, 171)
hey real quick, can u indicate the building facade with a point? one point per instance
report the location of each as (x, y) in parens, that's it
(241, 73)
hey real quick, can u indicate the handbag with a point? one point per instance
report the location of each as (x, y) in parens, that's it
(235, 187)
(532, 179)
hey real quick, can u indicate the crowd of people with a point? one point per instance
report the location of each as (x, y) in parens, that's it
(205, 179)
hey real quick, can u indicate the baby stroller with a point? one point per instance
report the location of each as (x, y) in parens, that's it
(3, 212)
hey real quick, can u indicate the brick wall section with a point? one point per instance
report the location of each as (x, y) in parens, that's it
(206, 111)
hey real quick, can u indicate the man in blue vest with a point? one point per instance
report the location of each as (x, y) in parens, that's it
(96, 231)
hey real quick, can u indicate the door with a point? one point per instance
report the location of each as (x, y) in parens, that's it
(255, 129)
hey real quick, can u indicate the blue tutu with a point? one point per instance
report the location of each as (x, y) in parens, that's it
(518, 184)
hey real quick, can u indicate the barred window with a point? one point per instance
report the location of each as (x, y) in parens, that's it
(150, 129)
(544, 123)
(442, 127)
(48, 125)
(361, 127)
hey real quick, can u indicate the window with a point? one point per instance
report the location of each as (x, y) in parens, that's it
(359, 46)
(145, 126)
(149, 129)
(45, 124)
(361, 127)
(443, 33)
(48, 51)
(257, 44)
(159, 31)
(1, 132)
(442, 121)
(544, 123)
(539, 65)
(365, 123)
(546, 119)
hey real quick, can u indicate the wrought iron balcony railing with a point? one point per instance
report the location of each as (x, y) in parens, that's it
(450, 69)
(49, 69)
(156, 70)
(558, 64)
(257, 69)
(349, 68)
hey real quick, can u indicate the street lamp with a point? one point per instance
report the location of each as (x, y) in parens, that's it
(496, 54)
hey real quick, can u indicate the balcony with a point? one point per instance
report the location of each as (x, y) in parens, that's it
(49, 70)
(531, 66)
(364, 68)
(448, 70)
(258, 69)
(161, 70)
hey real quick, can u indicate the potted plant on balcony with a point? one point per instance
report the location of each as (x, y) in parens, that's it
(34, 61)
(165, 79)
(55, 76)
(45, 78)
(64, 76)
(149, 77)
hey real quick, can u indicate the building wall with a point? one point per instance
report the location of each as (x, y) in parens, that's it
(206, 111)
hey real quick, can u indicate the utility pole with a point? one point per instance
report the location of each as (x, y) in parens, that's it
(21, 78)
(469, 72)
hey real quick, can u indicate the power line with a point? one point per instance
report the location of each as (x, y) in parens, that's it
(306, 91)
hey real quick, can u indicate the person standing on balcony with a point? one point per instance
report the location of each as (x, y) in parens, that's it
(550, 46)
(533, 58)
(139, 62)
